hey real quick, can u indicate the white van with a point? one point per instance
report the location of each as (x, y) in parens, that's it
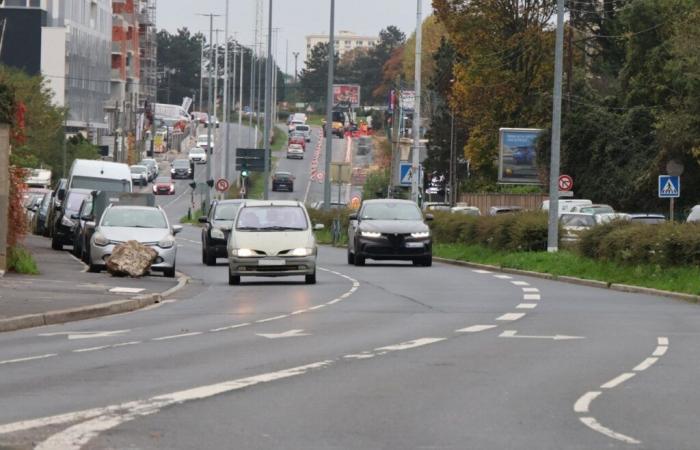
(99, 176)
(567, 204)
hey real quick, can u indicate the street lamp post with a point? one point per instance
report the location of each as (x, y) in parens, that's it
(296, 58)
(415, 163)
(268, 106)
(224, 169)
(329, 113)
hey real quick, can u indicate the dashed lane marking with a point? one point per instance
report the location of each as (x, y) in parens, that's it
(503, 277)
(270, 319)
(526, 306)
(584, 402)
(481, 271)
(530, 289)
(531, 297)
(593, 424)
(28, 358)
(230, 327)
(511, 316)
(644, 365)
(520, 283)
(476, 328)
(177, 336)
(618, 380)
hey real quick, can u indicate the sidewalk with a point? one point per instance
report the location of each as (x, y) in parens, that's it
(63, 291)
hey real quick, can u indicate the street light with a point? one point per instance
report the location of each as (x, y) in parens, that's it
(415, 163)
(296, 58)
(329, 113)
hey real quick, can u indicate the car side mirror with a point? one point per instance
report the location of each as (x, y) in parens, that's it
(203, 219)
(429, 217)
(319, 226)
(352, 216)
(90, 224)
(75, 216)
(177, 229)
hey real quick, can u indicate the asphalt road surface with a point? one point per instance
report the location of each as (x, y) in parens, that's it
(386, 356)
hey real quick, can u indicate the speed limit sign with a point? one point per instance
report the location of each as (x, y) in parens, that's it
(566, 183)
(222, 185)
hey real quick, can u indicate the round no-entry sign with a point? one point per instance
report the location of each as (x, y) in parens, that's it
(566, 183)
(222, 185)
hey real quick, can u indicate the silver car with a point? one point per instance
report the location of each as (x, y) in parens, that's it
(145, 224)
(272, 239)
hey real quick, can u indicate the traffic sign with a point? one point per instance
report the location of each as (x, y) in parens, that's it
(222, 185)
(669, 186)
(405, 174)
(252, 158)
(566, 183)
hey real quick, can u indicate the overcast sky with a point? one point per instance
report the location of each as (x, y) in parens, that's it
(295, 18)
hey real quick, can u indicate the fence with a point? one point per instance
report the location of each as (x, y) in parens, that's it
(485, 201)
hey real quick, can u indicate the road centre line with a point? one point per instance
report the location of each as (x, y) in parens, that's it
(410, 344)
(476, 328)
(662, 341)
(618, 380)
(526, 306)
(104, 347)
(520, 283)
(177, 336)
(270, 319)
(532, 297)
(531, 289)
(511, 316)
(593, 424)
(481, 271)
(584, 402)
(28, 358)
(317, 307)
(644, 365)
(299, 311)
(503, 277)
(230, 327)
(660, 350)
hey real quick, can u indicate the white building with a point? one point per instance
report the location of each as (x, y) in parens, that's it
(344, 41)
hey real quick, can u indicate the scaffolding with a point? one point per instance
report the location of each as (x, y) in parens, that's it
(148, 50)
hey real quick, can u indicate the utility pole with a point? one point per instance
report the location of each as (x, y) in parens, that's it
(209, 109)
(296, 58)
(268, 106)
(201, 71)
(224, 169)
(553, 228)
(453, 160)
(415, 163)
(253, 65)
(329, 114)
(216, 73)
(240, 102)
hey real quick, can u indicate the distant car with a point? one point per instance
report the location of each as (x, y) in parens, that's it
(573, 224)
(436, 206)
(593, 209)
(601, 218)
(497, 210)
(153, 169)
(31, 203)
(181, 168)
(139, 175)
(466, 210)
(297, 138)
(649, 219)
(39, 221)
(283, 181)
(81, 218)
(293, 125)
(389, 229)
(64, 223)
(216, 229)
(272, 239)
(59, 194)
(198, 155)
(203, 142)
(305, 130)
(163, 186)
(295, 151)
(567, 204)
(145, 224)
(333, 205)
(200, 117)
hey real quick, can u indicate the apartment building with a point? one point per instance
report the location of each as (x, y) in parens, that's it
(344, 41)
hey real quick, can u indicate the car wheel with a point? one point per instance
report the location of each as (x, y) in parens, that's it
(417, 261)
(310, 279)
(209, 257)
(56, 243)
(359, 260)
(233, 280)
(351, 257)
(94, 268)
(169, 273)
(428, 261)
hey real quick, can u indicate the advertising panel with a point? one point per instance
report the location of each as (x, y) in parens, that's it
(517, 161)
(407, 100)
(346, 93)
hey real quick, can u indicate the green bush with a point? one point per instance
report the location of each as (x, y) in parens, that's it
(21, 261)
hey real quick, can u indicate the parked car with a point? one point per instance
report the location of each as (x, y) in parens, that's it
(573, 224)
(436, 206)
(139, 175)
(272, 239)
(295, 151)
(646, 218)
(164, 186)
(31, 203)
(99, 175)
(153, 169)
(694, 215)
(145, 224)
(593, 209)
(197, 155)
(497, 210)
(389, 229)
(81, 218)
(305, 130)
(466, 210)
(601, 218)
(283, 181)
(567, 204)
(38, 224)
(64, 223)
(216, 229)
(39, 178)
(297, 138)
(59, 194)
(181, 168)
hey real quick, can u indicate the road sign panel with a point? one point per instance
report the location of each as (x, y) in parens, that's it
(222, 185)
(405, 174)
(253, 158)
(566, 183)
(669, 186)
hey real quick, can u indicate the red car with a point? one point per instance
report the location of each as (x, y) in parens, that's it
(296, 139)
(163, 186)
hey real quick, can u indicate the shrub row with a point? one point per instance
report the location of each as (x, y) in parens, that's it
(670, 244)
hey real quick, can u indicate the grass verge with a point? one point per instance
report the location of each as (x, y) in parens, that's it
(19, 260)
(566, 263)
(194, 219)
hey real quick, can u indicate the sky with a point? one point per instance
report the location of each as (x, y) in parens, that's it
(294, 18)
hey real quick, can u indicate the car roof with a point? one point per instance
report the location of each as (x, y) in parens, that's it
(139, 165)
(157, 208)
(389, 200)
(182, 160)
(282, 172)
(577, 214)
(230, 201)
(249, 203)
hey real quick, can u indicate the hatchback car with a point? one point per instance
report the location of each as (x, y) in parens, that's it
(203, 141)
(272, 239)
(153, 169)
(64, 223)
(283, 181)
(305, 130)
(147, 225)
(198, 155)
(163, 186)
(139, 175)
(181, 169)
(295, 151)
(39, 221)
(389, 229)
(81, 218)
(216, 229)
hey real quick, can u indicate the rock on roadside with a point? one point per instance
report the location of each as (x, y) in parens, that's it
(131, 259)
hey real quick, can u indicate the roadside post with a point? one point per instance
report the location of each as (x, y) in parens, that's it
(4, 193)
(670, 188)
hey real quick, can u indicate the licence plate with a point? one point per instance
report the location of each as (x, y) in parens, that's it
(271, 262)
(414, 244)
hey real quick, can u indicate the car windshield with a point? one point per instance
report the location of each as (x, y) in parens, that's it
(391, 211)
(75, 199)
(138, 169)
(282, 176)
(197, 150)
(86, 208)
(302, 128)
(181, 164)
(164, 180)
(597, 209)
(272, 218)
(569, 220)
(134, 218)
(226, 211)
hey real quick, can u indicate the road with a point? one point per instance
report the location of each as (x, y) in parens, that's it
(387, 356)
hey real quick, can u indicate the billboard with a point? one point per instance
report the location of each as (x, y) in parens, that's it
(517, 162)
(407, 100)
(346, 93)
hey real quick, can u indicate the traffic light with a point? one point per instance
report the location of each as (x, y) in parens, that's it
(244, 171)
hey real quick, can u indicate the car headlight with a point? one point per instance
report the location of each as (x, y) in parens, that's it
(421, 234)
(172, 170)
(243, 252)
(370, 234)
(67, 222)
(217, 233)
(302, 252)
(166, 242)
(100, 240)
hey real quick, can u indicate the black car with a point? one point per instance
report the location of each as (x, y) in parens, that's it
(56, 199)
(39, 221)
(181, 168)
(79, 232)
(389, 230)
(283, 181)
(64, 224)
(216, 229)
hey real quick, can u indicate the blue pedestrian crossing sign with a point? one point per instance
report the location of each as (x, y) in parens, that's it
(405, 174)
(669, 186)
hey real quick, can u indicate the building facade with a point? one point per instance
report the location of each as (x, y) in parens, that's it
(344, 42)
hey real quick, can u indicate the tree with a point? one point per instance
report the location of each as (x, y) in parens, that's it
(313, 79)
(179, 60)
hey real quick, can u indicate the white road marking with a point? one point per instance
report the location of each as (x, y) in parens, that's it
(521, 283)
(511, 316)
(410, 344)
(526, 306)
(103, 419)
(334, 301)
(294, 313)
(557, 337)
(90, 349)
(644, 365)
(270, 319)
(126, 344)
(617, 380)
(531, 297)
(593, 424)
(584, 402)
(481, 271)
(230, 327)
(126, 290)
(660, 351)
(286, 334)
(662, 340)
(177, 336)
(360, 356)
(530, 289)
(503, 277)
(28, 358)
(73, 335)
(476, 328)
(317, 307)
